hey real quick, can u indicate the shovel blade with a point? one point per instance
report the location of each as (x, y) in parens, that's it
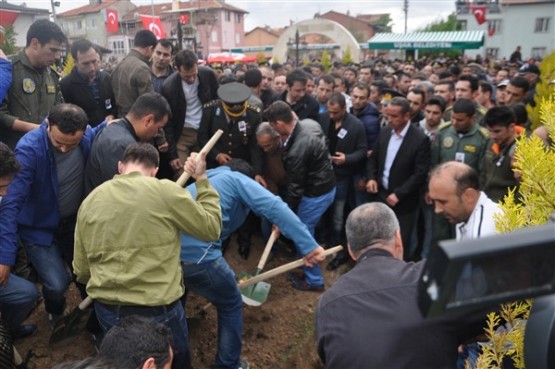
(69, 326)
(256, 295)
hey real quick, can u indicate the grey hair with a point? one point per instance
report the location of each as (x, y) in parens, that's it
(370, 224)
(265, 128)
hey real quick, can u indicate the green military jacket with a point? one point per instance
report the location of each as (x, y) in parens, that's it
(32, 94)
(497, 176)
(469, 148)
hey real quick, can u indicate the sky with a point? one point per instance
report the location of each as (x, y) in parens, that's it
(279, 13)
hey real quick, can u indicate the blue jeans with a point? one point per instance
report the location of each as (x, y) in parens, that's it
(49, 264)
(310, 211)
(215, 281)
(172, 316)
(17, 299)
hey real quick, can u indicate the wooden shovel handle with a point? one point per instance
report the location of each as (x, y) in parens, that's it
(209, 145)
(282, 269)
(85, 303)
(273, 237)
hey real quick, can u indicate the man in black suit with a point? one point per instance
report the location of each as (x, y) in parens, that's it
(304, 105)
(399, 165)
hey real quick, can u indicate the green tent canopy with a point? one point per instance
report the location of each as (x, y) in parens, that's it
(462, 40)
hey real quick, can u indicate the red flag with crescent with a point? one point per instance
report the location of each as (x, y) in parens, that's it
(184, 18)
(480, 14)
(112, 21)
(154, 24)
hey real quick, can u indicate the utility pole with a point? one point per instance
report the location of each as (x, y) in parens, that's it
(54, 4)
(406, 10)
(297, 48)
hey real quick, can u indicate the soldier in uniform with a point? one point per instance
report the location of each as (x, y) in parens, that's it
(461, 140)
(34, 90)
(239, 120)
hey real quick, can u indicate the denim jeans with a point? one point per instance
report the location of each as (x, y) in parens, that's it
(17, 299)
(47, 261)
(172, 317)
(215, 281)
(310, 211)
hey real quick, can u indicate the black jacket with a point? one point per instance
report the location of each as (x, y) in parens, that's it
(370, 118)
(172, 90)
(351, 140)
(307, 108)
(307, 162)
(75, 90)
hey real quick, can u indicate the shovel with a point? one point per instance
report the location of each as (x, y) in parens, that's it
(70, 325)
(282, 269)
(257, 294)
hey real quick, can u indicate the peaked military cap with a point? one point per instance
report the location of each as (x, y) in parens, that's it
(234, 93)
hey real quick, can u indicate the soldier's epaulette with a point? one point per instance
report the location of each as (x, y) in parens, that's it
(484, 131)
(255, 108)
(445, 125)
(210, 104)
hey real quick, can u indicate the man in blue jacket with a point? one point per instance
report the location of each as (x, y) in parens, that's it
(206, 272)
(43, 198)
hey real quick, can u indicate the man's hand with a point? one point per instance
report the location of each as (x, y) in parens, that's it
(392, 200)
(175, 164)
(338, 158)
(196, 166)
(4, 274)
(314, 257)
(222, 158)
(164, 147)
(361, 184)
(372, 186)
(258, 178)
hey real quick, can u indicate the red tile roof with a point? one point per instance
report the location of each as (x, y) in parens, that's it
(88, 9)
(184, 6)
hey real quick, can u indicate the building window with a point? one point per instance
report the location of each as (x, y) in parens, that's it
(538, 52)
(227, 16)
(237, 39)
(131, 42)
(118, 47)
(542, 25)
(131, 25)
(92, 23)
(214, 36)
(238, 17)
(492, 52)
(79, 24)
(494, 26)
(461, 25)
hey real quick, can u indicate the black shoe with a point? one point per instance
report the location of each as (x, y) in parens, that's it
(303, 285)
(336, 262)
(24, 330)
(244, 251)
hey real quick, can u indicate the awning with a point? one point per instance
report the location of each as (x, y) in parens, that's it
(463, 40)
(7, 16)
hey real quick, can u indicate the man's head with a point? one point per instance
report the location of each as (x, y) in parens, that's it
(338, 83)
(281, 118)
(466, 87)
(8, 168)
(501, 122)
(376, 91)
(253, 79)
(359, 96)
(365, 74)
(484, 94)
(142, 156)
(267, 78)
(403, 82)
(266, 138)
(446, 89)
(296, 85)
(454, 188)
(86, 57)
(66, 126)
(162, 56)
(434, 110)
(138, 343)
(397, 113)
(337, 107)
(279, 85)
(44, 43)
(186, 65)
(463, 115)
(531, 72)
(325, 88)
(373, 225)
(416, 98)
(516, 90)
(242, 166)
(350, 75)
(149, 113)
(502, 75)
(501, 93)
(144, 42)
(317, 70)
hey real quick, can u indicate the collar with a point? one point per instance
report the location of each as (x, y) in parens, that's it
(374, 252)
(403, 132)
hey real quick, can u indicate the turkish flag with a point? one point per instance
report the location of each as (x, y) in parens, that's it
(154, 24)
(112, 21)
(7, 16)
(480, 14)
(491, 29)
(184, 18)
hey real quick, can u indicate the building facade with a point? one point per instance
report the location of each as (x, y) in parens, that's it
(21, 18)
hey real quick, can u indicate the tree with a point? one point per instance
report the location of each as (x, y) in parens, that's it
(347, 58)
(69, 63)
(8, 47)
(261, 58)
(544, 89)
(326, 60)
(442, 25)
(384, 24)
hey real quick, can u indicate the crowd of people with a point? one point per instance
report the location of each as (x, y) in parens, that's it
(410, 151)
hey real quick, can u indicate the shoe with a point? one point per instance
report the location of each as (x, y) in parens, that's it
(298, 274)
(243, 364)
(244, 251)
(303, 285)
(336, 262)
(53, 318)
(24, 330)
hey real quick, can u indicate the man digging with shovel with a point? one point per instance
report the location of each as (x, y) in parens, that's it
(206, 272)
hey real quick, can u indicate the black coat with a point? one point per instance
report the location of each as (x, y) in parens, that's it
(172, 90)
(307, 108)
(75, 90)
